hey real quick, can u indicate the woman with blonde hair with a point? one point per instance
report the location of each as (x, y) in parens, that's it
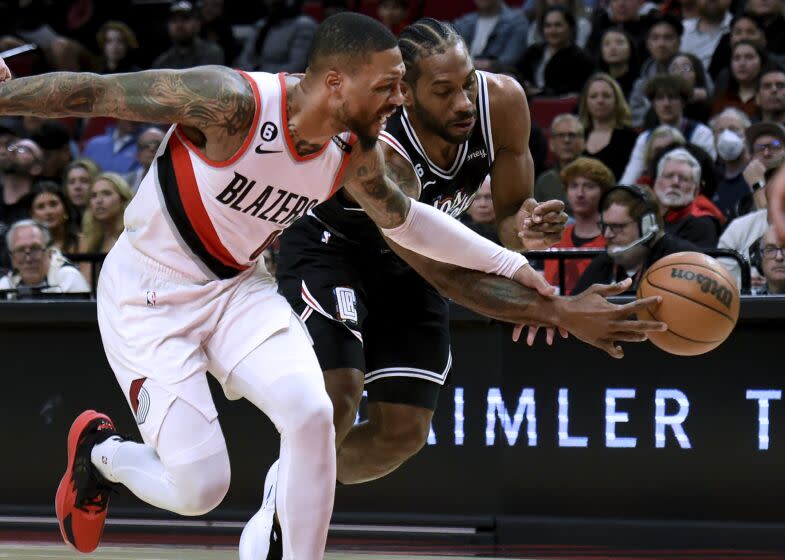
(605, 116)
(103, 220)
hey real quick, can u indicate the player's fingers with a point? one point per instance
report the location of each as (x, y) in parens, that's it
(542, 228)
(640, 326)
(613, 349)
(554, 217)
(564, 332)
(630, 336)
(548, 207)
(532, 335)
(549, 335)
(613, 289)
(516, 332)
(640, 304)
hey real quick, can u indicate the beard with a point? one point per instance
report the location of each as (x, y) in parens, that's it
(442, 130)
(11, 167)
(359, 128)
(675, 199)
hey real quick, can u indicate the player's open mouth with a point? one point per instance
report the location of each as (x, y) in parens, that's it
(384, 116)
(466, 125)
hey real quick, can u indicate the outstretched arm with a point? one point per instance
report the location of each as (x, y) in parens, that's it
(776, 195)
(421, 228)
(216, 104)
(589, 317)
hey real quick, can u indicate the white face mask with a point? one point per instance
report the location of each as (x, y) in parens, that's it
(729, 145)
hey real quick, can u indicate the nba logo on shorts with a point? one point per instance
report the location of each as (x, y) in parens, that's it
(140, 399)
(150, 299)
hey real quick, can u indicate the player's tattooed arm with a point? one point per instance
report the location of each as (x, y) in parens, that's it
(400, 172)
(368, 184)
(215, 101)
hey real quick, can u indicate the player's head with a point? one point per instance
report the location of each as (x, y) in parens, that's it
(440, 85)
(357, 60)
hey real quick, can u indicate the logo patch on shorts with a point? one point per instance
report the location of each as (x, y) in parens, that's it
(151, 297)
(140, 400)
(346, 304)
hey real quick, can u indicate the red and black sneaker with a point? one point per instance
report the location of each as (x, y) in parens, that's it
(83, 495)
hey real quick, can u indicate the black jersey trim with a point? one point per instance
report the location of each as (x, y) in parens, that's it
(485, 115)
(460, 157)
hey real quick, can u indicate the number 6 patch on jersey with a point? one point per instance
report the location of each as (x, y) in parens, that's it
(346, 304)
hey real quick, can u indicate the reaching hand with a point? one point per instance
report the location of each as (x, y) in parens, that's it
(596, 321)
(527, 276)
(5, 72)
(540, 225)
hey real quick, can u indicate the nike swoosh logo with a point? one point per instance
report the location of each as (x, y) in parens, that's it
(259, 150)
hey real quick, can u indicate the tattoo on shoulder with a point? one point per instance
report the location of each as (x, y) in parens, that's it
(402, 174)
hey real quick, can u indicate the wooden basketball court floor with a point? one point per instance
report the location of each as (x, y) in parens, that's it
(60, 552)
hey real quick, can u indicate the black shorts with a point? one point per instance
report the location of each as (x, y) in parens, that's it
(367, 310)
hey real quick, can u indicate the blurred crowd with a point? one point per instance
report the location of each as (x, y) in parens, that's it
(685, 100)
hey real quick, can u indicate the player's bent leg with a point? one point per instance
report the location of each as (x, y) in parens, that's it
(188, 472)
(283, 378)
(345, 388)
(393, 433)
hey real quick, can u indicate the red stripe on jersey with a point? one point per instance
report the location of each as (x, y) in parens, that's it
(251, 133)
(194, 207)
(341, 169)
(285, 126)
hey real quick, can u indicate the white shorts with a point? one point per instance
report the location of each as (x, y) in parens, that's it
(162, 331)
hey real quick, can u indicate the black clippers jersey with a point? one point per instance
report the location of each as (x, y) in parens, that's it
(450, 190)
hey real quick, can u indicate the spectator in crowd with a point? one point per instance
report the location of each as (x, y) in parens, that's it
(745, 26)
(659, 141)
(587, 179)
(575, 7)
(495, 34)
(280, 41)
(676, 186)
(7, 137)
(117, 43)
(703, 34)
(187, 50)
(668, 95)
(632, 16)
(688, 67)
(770, 14)
(619, 59)
(635, 235)
(741, 236)
(146, 146)
(394, 14)
(114, 150)
(481, 213)
(37, 266)
(738, 86)
(103, 221)
(77, 180)
(215, 28)
(55, 143)
(770, 96)
(730, 128)
(19, 171)
(567, 143)
(556, 66)
(766, 143)
(772, 258)
(605, 116)
(51, 208)
(662, 43)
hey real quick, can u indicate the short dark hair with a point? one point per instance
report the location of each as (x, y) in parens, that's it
(350, 35)
(423, 38)
(667, 19)
(667, 83)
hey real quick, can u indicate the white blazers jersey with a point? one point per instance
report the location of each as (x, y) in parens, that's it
(209, 219)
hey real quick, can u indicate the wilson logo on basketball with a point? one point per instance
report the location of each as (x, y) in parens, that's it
(707, 285)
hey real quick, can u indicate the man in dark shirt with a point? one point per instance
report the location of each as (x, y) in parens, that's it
(635, 232)
(188, 50)
(19, 169)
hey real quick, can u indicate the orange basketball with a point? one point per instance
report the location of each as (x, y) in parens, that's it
(700, 302)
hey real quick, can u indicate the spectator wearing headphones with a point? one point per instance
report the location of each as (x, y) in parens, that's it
(634, 231)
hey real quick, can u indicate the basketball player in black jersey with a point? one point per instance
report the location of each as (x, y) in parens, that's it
(376, 324)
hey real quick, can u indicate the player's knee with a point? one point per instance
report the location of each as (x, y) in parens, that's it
(204, 485)
(345, 387)
(315, 416)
